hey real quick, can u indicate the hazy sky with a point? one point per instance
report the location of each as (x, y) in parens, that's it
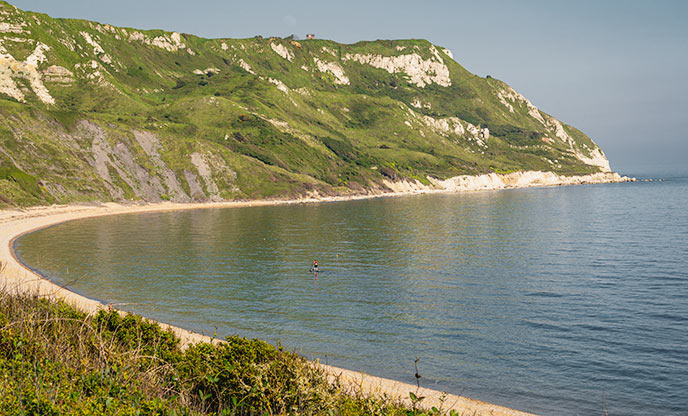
(617, 70)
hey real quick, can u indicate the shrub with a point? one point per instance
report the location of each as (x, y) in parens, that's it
(56, 360)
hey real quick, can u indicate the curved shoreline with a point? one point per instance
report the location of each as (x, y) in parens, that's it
(15, 277)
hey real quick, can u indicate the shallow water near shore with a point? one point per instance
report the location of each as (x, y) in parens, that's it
(568, 300)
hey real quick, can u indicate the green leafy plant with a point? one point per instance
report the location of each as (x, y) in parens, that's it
(57, 360)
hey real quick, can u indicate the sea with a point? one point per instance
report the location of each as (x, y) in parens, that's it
(559, 301)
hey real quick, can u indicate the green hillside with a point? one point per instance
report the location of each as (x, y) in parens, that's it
(90, 112)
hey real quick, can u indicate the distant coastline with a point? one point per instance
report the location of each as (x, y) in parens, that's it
(18, 277)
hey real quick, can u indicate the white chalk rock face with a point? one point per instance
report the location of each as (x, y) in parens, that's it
(173, 43)
(59, 74)
(97, 49)
(6, 27)
(245, 66)
(280, 85)
(494, 181)
(334, 68)
(10, 68)
(213, 71)
(138, 37)
(510, 94)
(282, 51)
(520, 180)
(445, 126)
(421, 71)
(509, 98)
(596, 158)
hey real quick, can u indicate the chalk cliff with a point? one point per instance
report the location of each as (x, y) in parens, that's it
(90, 111)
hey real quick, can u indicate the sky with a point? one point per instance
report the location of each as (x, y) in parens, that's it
(617, 70)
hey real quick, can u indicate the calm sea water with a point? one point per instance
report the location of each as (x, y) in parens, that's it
(568, 300)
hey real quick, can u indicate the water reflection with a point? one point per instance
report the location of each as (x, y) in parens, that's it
(546, 300)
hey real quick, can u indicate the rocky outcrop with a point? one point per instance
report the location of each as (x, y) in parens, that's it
(494, 181)
(421, 72)
(56, 73)
(333, 68)
(522, 180)
(171, 43)
(137, 168)
(11, 69)
(282, 51)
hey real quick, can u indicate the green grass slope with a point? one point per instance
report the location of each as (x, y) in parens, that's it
(90, 111)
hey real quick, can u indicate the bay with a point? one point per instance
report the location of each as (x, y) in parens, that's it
(568, 300)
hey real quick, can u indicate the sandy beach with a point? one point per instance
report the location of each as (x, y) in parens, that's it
(17, 278)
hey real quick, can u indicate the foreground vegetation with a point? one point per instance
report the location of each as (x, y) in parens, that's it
(57, 360)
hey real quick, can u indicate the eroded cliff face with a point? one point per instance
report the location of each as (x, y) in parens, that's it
(494, 181)
(96, 112)
(112, 164)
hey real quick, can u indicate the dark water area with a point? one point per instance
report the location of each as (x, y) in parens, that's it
(568, 300)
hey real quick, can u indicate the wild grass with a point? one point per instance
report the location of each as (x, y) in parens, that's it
(57, 360)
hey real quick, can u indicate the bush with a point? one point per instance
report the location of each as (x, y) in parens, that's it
(56, 360)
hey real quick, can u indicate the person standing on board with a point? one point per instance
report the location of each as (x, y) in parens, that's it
(315, 266)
